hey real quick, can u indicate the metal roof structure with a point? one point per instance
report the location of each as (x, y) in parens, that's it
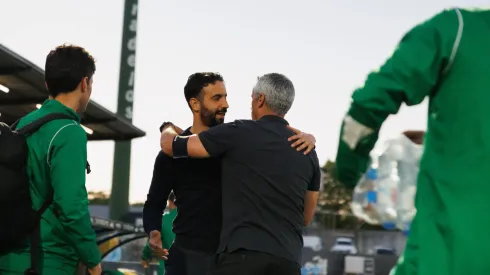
(22, 90)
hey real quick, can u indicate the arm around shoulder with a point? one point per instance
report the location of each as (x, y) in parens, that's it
(210, 143)
(219, 139)
(181, 146)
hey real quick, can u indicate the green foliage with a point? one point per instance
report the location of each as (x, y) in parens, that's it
(98, 198)
(102, 198)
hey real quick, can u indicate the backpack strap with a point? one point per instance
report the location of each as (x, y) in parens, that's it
(30, 129)
(35, 239)
(35, 125)
(13, 126)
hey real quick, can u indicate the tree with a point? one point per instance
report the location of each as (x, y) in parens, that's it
(334, 203)
(102, 198)
(98, 198)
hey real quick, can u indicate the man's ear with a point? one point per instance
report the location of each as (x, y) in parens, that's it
(84, 84)
(260, 100)
(195, 105)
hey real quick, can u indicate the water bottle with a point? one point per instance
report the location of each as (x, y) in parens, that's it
(364, 198)
(386, 189)
(375, 198)
(387, 184)
(408, 169)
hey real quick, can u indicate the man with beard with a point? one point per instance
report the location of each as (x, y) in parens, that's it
(269, 189)
(196, 184)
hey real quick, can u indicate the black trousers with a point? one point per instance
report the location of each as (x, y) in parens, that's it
(183, 261)
(245, 262)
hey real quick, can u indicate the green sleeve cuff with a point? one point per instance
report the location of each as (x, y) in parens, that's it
(92, 255)
(352, 163)
(84, 240)
(146, 254)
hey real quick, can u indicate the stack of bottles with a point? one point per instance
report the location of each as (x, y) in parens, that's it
(386, 192)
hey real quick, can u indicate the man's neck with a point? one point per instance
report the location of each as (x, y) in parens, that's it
(198, 127)
(68, 101)
(268, 113)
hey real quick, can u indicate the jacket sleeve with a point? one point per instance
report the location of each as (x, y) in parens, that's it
(168, 235)
(408, 76)
(160, 188)
(67, 162)
(146, 255)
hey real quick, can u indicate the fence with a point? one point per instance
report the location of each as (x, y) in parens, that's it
(317, 256)
(320, 238)
(330, 263)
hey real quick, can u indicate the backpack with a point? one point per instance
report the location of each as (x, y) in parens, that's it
(19, 220)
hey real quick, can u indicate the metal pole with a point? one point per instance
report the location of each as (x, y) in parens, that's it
(119, 201)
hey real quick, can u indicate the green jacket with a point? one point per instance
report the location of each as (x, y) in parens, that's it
(445, 59)
(168, 237)
(409, 76)
(56, 163)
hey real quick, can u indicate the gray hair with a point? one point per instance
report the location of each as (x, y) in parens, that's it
(278, 91)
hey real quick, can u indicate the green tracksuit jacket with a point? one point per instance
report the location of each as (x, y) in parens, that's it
(447, 59)
(168, 237)
(56, 163)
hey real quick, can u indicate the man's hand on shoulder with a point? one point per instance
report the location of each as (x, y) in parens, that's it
(168, 133)
(302, 141)
(176, 128)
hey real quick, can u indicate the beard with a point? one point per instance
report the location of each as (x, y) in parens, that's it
(209, 118)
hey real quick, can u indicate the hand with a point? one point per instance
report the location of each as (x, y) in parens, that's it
(302, 140)
(165, 125)
(155, 243)
(145, 264)
(96, 270)
(416, 137)
(178, 130)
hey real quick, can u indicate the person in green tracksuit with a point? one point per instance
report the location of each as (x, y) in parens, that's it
(446, 59)
(56, 165)
(168, 235)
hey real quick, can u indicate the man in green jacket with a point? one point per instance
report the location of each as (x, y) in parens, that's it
(445, 59)
(167, 235)
(56, 165)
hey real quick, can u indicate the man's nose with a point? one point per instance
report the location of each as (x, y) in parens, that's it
(225, 104)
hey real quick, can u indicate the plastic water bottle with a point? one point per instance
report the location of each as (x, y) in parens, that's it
(386, 189)
(408, 169)
(376, 197)
(364, 198)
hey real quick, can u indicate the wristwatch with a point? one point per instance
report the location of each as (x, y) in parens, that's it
(165, 125)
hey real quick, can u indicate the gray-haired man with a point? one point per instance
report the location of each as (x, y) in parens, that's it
(269, 189)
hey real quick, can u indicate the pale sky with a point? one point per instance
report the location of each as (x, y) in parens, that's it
(325, 47)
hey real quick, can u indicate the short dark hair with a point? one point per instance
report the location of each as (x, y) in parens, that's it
(171, 196)
(196, 82)
(65, 67)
